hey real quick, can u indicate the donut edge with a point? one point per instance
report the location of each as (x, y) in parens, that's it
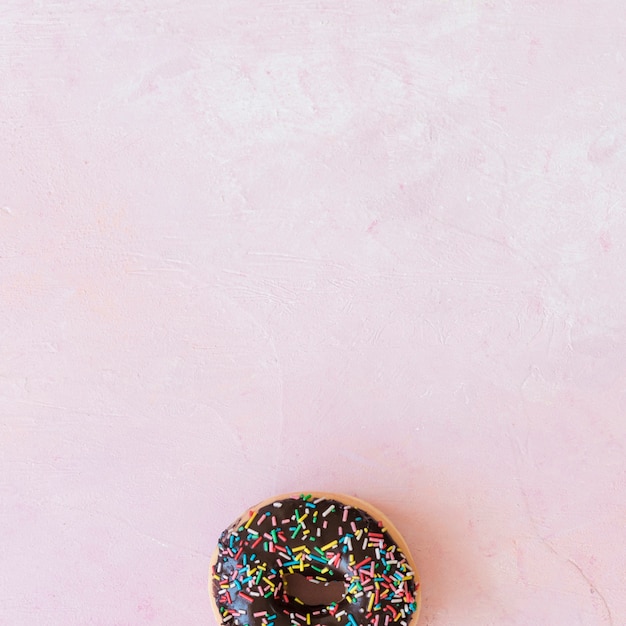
(353, 501)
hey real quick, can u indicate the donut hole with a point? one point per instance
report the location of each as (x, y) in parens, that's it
(313, 592)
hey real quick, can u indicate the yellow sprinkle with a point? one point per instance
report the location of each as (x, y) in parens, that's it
(247, 524)
(269, 582)
(303, 517)
(330, 545)
(370, 604)
(300, 548)
(308, 618)
(298, 601)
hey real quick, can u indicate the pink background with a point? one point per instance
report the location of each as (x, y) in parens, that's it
(248, 247)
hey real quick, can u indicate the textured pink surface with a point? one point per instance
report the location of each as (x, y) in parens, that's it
(370, 247)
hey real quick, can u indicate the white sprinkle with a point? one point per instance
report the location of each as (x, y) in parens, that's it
(328, 510)
(277, 504)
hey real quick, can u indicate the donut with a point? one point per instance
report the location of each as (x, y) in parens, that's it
(324, 539)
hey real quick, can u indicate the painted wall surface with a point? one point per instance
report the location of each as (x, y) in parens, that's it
(374, 247)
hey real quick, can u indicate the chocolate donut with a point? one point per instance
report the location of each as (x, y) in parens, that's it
(324, 538)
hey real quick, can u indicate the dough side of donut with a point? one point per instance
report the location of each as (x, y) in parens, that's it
(352, 501)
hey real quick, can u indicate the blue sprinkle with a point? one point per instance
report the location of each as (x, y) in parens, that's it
(317, 558)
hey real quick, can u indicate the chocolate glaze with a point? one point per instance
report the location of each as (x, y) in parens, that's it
(319, 538)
